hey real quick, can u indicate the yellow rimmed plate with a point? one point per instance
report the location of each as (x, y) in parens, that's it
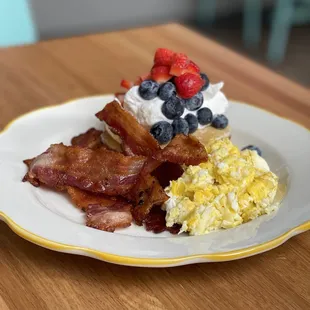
(49, 220)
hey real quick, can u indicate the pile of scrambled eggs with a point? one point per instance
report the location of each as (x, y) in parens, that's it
(231, 188)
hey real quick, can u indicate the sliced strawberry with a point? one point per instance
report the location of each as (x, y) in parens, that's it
(145, 76)
(141, 78)
(192, 68)
(188, 84)
(179, 64)
(163, 57)
(126, 84)
(161, 74)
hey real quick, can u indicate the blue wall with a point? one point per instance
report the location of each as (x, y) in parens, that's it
(16, 24)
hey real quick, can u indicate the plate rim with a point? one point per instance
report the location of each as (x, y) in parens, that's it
(148, 262)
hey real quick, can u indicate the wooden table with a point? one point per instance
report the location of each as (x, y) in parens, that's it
(51, 72)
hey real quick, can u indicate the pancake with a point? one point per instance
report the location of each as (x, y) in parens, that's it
(204, 135)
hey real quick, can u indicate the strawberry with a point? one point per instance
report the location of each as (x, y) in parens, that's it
(179, 64)
(192, 67)
(126, 84)
(161, 74)
(188, 84)
(141, 78)
(163, 57)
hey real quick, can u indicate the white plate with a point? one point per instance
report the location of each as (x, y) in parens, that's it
(50, 220)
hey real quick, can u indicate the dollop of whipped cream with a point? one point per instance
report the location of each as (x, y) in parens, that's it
(148, 112)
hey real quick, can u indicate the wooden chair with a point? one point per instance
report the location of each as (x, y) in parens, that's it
(16, 23)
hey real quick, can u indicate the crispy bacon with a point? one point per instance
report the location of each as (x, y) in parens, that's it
(82, 199)
(183, 150)
(109, 216)
(102, 212)
(167, 172)
(146, 194)
(99, 171)
(135, 136)
(91, 139)
(156, 222)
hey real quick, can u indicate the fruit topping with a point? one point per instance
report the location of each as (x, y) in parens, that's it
(204, 116)
(142, 78)
(179, 64)
(166, 90)
(173, 108)
(188, 85)
(220, 121)
(126, 84)
(161, 74)
(192, 67)
(162, 132)
(148, 89)
(192, 122)
(180, 126)
(206, 81)
(253, 148)
(163, 56)
(194, 103)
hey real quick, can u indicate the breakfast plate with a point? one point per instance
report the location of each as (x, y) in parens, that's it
(48, 219)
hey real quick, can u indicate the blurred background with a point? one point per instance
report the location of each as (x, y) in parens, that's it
(275, 33)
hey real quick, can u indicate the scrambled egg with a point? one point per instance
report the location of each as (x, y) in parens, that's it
(231, 188)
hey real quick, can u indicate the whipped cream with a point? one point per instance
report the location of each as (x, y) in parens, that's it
(148, 112)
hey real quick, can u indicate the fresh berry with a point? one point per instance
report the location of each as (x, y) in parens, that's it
(162, 132)
(161, 74)
(193, 68)
(180, 126)
(166, 90)
(163, 57)
(253, 148)
(206, 81)
(142, 78)
(173, 108)
(126, 84)
(148, 89)
(194, 103)
(179, 64)
(192, 122)
(204, 116)
(188, 85)
(220, 121)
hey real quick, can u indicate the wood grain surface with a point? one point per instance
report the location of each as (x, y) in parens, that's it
(51, 72)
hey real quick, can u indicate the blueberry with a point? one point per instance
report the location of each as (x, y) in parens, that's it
(192, 122)
(204, 116)
(173, 107)
(194, 103)
(166, 90)
(180, 125)
(206, 81)
(162, 132)
(220, 121)
(148, 89)
(253, 148)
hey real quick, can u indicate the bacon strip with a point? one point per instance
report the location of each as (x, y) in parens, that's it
(146, 194)
(102, 212)
(167, 172)
(156, 222)
(99, 171)
(136, 138)
(91, 139)
(109, 217)
(183, 150)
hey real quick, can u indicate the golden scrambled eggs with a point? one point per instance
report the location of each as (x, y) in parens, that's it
(231, 188)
